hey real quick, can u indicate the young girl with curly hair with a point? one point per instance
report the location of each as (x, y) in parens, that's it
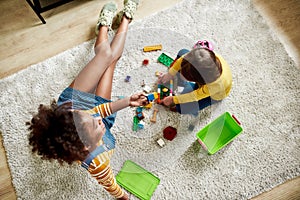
(77, 127)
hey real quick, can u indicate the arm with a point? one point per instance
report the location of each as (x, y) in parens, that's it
(175, 67)
(107, 109)
(195, 95)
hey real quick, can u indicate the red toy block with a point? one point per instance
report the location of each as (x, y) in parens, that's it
(169, 133)
(145, 62)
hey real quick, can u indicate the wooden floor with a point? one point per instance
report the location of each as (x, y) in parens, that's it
(25, 41)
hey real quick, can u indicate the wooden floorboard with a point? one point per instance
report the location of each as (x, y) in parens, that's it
(26, 41)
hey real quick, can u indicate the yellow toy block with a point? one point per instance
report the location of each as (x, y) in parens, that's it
(152, 48)
(149, 105)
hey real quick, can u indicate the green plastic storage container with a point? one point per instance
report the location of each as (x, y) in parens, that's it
(219, 133)
(137, 180)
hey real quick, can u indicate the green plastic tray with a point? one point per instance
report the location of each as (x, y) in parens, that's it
(219, 133)
(137, 180)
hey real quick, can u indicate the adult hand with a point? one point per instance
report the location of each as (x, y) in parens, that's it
(138, 99)
(164, 78)
(167, 101)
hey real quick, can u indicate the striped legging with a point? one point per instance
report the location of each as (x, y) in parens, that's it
(101, 170)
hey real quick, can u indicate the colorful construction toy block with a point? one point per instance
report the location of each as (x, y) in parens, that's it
(158, 73)
(147, 89)
(135, 123)
(164, 91)
(152, 48)
(151, 97)
(169, 133)
(139, 113)
(153, 119)
(139, 109)
(161, 142)
(145, 62)
(127, 79)
(140, 116)
(165, 59)
(141, 125)
(149, 105)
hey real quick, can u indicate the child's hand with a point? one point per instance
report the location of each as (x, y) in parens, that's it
(164, 78)
(139, 99)
(167, 101)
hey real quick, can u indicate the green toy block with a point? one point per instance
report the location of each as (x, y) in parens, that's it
(162, 93)
(135, 123)
(165, 59)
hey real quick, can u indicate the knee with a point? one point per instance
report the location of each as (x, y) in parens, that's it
(105, 52)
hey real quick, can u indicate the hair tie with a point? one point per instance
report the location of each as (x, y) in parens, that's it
(204, 44)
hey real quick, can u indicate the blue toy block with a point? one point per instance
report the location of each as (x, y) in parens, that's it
(127, 79)
(150, 97)
(139, 109)
(140, 116)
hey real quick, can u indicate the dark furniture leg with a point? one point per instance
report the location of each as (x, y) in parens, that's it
(37, 12)
(36, 7)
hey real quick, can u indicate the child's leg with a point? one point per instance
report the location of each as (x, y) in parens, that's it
(89, 76)
(104, 86)
(189, 87)
(194, 107)
(104, 175)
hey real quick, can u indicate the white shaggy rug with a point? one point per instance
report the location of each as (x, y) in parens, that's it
(265, 98)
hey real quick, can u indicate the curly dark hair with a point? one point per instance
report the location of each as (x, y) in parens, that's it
(201, 65)
(53, 134)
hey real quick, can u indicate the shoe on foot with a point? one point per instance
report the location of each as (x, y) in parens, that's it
(130, 7)
(106, 16)
(117, 20)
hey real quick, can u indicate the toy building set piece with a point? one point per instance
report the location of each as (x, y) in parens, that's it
(151, 97)
(161, 142)
(137, 180)
(158, 73)
(169, 133)
(164, 91)
(139, 113)
(127, 79)
(165, 59)
(147, 89)
(152, 48)
(136, 121)
(171, 87)
(145, 62)
(153, 119)
(219, 133)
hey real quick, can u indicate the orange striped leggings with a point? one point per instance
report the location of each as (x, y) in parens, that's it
(104, 175)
